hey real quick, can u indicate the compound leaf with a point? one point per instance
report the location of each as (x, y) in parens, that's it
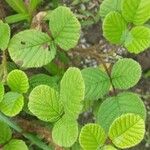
(114, 28)
(123, 103)
(17, 80)
(109, 5)
(4, 35)
(44, 103)
(12, 104)
(65, 27)
(15, 144)
(97, 83)
(138, 39)
(127, 131)
(136, 11)
(31, 48)
(1, 91)
(5, 134)
(65, 132)
(126, 73)
(92, 137)
(72, 90)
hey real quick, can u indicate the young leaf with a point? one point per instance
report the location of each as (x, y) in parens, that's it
(5, 134)
(108, 147)
(1, 91)
(65, 132)
(138, 39)
(136, 11)
(44, 103)
(92, 137)
(97, 83)
(4, 35)
(12, 104)
(65, 27)
(127, 131)
(31, 48)
(123, 103)
(126, 73)
(15, 144)
(72, 92)
(109, 5)
(17, 5)
(115, 28)
(17, 80)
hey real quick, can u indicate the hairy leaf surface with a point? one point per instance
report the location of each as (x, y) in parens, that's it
(1, 91)
(5, 134)
(136, 11)
(44, 103)
(123, 103)
(4, 35)
(114, 28)
(31, 48)
(15, 144)
(97, 83)
(17, 80)
(72, 90)
(127, 131)
(65, 132)
(92, 137)
(12, 104)
(65, 27)
(126, 73)
(138, 39)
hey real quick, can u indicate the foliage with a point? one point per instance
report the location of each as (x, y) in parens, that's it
(59, 95)
(124, 23)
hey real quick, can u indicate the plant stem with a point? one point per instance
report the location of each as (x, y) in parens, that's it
(35, 140)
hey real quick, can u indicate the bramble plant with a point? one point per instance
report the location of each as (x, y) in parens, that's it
(57, 100)
(124, 23)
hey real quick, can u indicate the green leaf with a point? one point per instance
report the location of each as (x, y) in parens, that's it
(33, 5)
(109, 5)
(65, 132)
(92, 137)
(15, 144)
(31, 48)
(114, 28)
(12, 104)
(123, 103)
(44, 103)
(43, 79)
(1, 91)
(4, 35)
(108, 147)
(17, 5)
(72, 90)
(17, 80)
(5, 134)
(65, 27)
(16, 18)
(127, 131)
(97, 83)
(126, 73)
(138, 39)
(136, 11)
